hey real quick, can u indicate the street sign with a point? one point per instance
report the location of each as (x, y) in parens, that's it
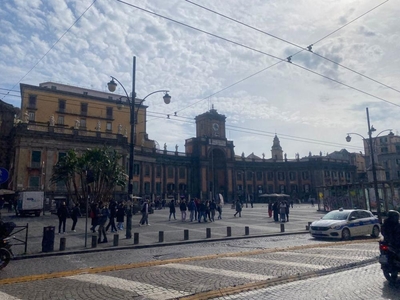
(3, 175)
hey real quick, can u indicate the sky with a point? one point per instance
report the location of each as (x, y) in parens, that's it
(230, 55)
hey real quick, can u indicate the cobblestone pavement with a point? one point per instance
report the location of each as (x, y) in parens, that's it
(229, 271)
(255, 218)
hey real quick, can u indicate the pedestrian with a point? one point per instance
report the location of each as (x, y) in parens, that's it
(275, 209)
(103, 217)
(287, 212)
(213, 208)
(282, 211)
(197, 211)
(120, 214)
(62, 214)
(75, 213)
(238, 207)
(270, 209)
(291, 203)
(183, 208)
(202, 212)
(112, 207)
(219, 210)
(94, 212)
(172, 209)
(163, 202)
(192, 210)
(145, 214)
(251, 201)
(208, 211)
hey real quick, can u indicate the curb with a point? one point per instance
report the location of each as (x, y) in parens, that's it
(164, 244)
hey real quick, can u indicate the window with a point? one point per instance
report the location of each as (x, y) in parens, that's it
(31, 115)
(32, 101)
(82, 125)
(84, 109)
(281, 176)
(347, 175)
(239, 187)
(397, 161)
(35, 159)
(158, 171)
(109, 126)
(109, 112)
(147, 170)
(85, 93)
(293, 188)
(384, 150)
(135, 187)
(397, 148)
(327, 174)
(270, 176)
(270, 189)
(182, 173)
(170, 187)
(387, 175)
(334, 174)
(306, 188)
(170, 172)
(282, 189)
(136, 169)
(53, 87)
(239, 175)
(250, 188)
(60, 120)
(61, 105)
(383, 139)
(305, 175)
(259, 176)
(34, 182)
(147, 187)
(249, 175)
(292, 176)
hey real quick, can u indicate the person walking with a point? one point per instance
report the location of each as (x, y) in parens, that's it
(183, 208)
(75, 213)
(172, 209)
(275, 209)
(208, 211)
(120, 214)
(192, 210)
(145, 214)
(219, 210)
(287, 212)
(103, 217)
(62, 214)
(238, 207)
(270, 209)
(282, 211)
(202, 212)
(213, 207)
(94, 215)
(197, 211)
(112, 207)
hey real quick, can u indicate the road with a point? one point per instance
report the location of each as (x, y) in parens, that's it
(289, 267)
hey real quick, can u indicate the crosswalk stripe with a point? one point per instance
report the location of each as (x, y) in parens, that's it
(276, 262)
(4, 296)
(217, 271)
(143, 289)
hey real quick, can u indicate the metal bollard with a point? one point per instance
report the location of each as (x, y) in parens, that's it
(246, 230)
(116, 239)
(136, 238)
(161, 236)
(208, 233)
(94, 241)
(186, 234)
(63, 242)
(282, 227)
(228, 231)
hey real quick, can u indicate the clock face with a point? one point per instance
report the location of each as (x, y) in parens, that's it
(215, 126)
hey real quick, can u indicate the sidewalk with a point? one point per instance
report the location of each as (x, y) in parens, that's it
(255, 218)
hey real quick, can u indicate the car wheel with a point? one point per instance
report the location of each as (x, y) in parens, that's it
(346, 234)
(375, 232)
(390, 276)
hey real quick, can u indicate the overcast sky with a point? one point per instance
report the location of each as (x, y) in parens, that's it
(200, 55)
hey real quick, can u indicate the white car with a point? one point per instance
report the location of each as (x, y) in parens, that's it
(346, 223)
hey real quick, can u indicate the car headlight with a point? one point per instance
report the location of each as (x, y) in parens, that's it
(335, 227)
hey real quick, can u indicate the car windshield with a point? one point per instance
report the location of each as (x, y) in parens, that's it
(336, 215)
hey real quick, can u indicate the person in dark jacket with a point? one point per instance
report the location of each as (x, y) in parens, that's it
(145, 213)
(202, 212)
(120, 216)
(192, 208)
(172, 210)
(391, 229)
(75, 213)
(213, 207)
(103, 217)
(183, 209)
(94, 211)
(275, 209)
(112, 207)
(238, 207)
(62, 214)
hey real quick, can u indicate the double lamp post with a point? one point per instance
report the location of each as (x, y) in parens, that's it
(373, 166)
(112, 85)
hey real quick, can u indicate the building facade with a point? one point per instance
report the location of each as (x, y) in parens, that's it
(56, 118)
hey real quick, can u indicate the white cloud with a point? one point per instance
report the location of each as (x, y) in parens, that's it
(284, 99)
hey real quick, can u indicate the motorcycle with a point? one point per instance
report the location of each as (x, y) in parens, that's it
(390, 261)
(5, 246)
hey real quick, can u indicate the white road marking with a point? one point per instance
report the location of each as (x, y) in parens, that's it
(321, 255)
(143, 289)
(4, 296)
(276, 262)
(217, 271)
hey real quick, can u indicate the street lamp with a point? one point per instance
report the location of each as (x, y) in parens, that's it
(112, 85)
(374, 178)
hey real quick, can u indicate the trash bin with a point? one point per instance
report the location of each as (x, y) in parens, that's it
(48, 239)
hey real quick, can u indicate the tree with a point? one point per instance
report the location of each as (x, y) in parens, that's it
(96, 169)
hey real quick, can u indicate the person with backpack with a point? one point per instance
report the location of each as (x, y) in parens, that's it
(172, 210)
(145, 213)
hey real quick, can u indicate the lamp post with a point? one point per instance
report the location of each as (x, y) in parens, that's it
(374, 178)
(112, 85)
